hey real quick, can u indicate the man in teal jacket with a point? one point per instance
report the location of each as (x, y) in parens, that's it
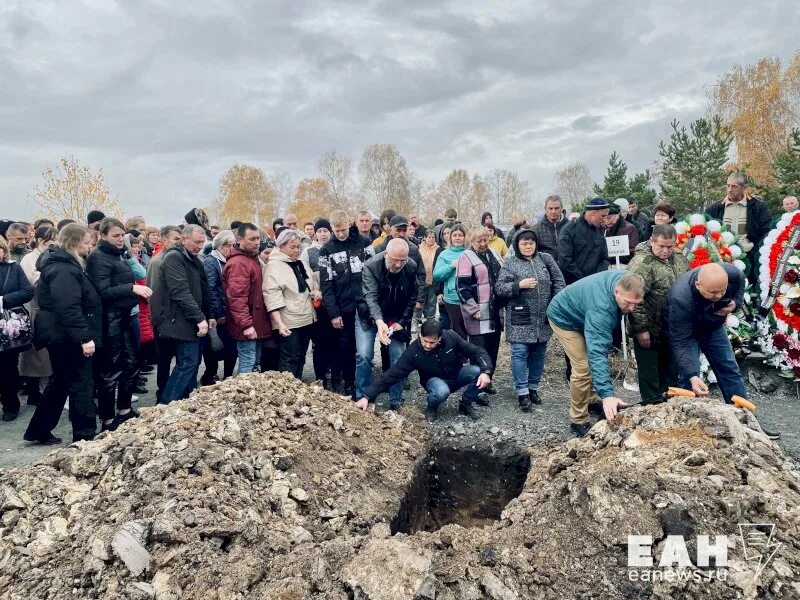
(583, 317)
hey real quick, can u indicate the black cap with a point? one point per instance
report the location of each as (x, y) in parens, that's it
(322, 224)
(398, 221)
(94, 216)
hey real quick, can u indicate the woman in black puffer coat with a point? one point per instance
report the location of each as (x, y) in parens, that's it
(117, 369)
(70, 325)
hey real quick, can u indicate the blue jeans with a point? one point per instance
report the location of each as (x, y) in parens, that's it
(439, 389)
(365, 352)
(717, 348)
(249, 354)
(183, 378)
(527, 364)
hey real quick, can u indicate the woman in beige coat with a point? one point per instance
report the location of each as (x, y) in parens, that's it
(34, 365)
(289, 291)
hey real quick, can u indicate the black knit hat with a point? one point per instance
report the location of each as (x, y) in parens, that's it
(613, 209)
(596, 204)
(322, 224)
(94, 216)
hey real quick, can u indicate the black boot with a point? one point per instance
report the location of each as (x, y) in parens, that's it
(469, 410)
(525, 403)
(580, 429)
(534, 397)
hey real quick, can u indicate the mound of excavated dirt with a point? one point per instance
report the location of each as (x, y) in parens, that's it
(261, 487)
(248, 487)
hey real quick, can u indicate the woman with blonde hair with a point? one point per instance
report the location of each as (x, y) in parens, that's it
(70, 325)
(477, 271)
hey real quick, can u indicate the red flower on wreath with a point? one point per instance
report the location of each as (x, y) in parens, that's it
(697, 230)
(726, 254)
(794, 308)
(791, 276)
(780, 341)
(716, 235)
(702, 253)
(793, 353)
(781, 313)
(796, 371)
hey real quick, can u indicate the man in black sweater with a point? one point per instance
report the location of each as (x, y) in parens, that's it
(438, 357)
(341, 261)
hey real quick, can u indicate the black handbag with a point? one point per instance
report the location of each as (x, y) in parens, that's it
(519, 312)
(15, 325)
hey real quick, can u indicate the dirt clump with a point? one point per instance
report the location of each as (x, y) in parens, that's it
(261, 487)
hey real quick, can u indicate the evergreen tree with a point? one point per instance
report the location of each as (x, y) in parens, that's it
(786, 168)
(693, 173)
(615, 183)
(639, 188)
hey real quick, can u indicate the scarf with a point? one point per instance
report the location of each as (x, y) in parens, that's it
(300, 274)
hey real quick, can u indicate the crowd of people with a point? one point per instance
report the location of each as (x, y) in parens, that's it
(96, 307)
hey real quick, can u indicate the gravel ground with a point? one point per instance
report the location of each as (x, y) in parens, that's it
(502, 422)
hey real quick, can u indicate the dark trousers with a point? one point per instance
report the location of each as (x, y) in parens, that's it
(293, 350)
(270, 354)
(717, 348)
(489, 342)
(116, 371)
(166, 352)
(325, 352)
(346, 348)
(656, 370)
(9, 381)
(183, 378)
(211, 359)
(456, 319)
(444, 318)
(73, 377)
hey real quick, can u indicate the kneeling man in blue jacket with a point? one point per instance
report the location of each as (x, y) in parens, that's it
(584, 316)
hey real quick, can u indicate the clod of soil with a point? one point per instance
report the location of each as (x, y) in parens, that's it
(261, 487)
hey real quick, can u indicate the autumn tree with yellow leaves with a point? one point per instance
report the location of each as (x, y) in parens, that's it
(312, 200)
(761, 104)
(71, 190)
(245, 194)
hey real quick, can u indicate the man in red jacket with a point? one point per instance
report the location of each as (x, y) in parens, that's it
(246, 313)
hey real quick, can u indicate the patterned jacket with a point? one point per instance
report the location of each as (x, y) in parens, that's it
(529, 326)
(340, 267)
(658, 275)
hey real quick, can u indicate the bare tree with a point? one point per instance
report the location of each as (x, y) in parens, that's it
(284, 189)
(466, 195)
(505, 193)
(385, 179)
(573, 183)
(337, 171)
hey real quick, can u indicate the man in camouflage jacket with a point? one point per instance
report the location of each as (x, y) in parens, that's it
(659, 265)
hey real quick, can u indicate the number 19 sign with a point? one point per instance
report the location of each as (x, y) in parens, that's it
(617, 246)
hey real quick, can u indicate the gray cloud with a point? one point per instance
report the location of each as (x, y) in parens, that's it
(166, 96)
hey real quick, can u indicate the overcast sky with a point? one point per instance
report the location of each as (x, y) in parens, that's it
(166, 95)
